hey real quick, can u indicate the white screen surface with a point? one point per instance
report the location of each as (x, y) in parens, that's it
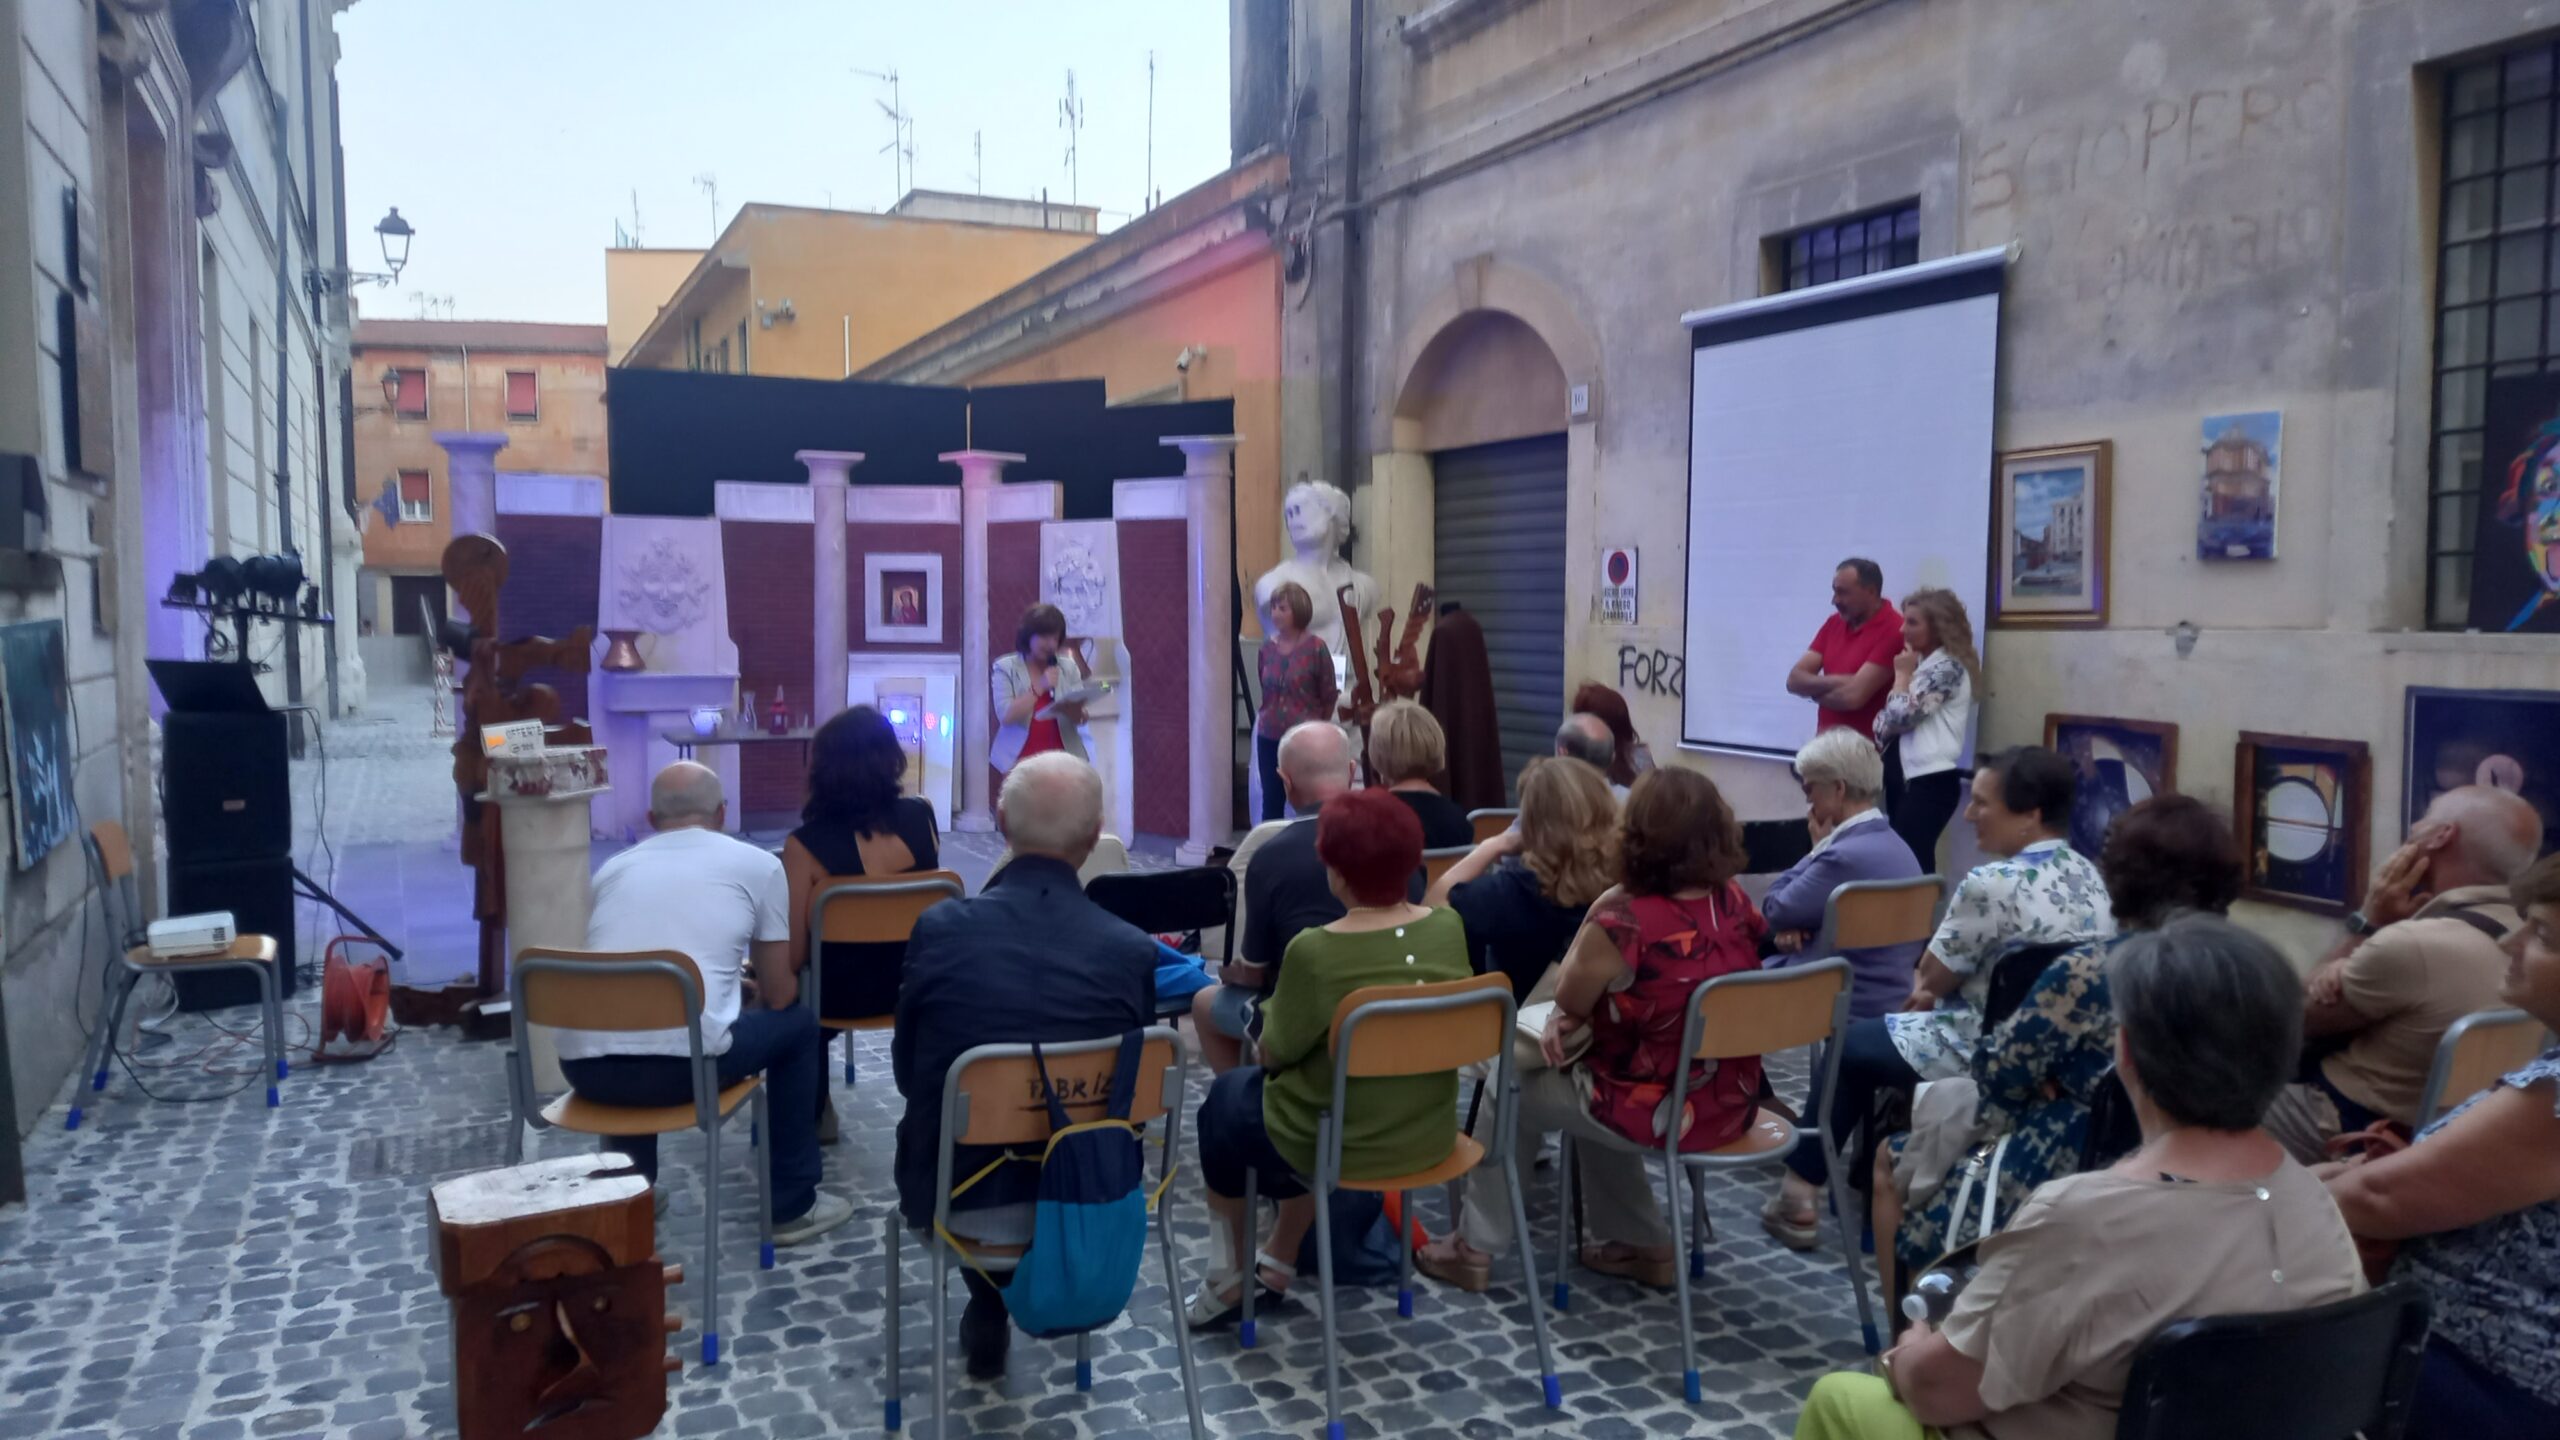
(1857, 425)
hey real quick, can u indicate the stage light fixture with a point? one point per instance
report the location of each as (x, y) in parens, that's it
(276, 578)
(222, 580)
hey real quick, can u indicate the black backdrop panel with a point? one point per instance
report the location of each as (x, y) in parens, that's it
(675, 432)
(1066, 431)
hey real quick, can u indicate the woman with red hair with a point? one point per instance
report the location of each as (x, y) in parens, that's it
(1262, 1117)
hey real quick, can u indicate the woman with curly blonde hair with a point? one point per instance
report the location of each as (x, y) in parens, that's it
(1522, 893)
(1927, 719)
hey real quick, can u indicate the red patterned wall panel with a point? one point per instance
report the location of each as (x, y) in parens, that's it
(771, 571)
(1154, 611)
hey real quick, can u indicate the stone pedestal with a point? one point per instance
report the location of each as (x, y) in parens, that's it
(1208, 474)
(471, 479)
(631, 712)
(829, 474)
(980, 472)
(545, 801)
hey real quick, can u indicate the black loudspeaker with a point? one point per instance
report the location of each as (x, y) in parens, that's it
(226, 791)
(259, 895)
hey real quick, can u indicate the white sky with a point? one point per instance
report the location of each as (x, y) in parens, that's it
(513, 133)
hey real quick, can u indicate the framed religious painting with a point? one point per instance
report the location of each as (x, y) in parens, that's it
(901, 599)
(2506, 739)
(2049, 543)
(2302, 809)
(2121, 763)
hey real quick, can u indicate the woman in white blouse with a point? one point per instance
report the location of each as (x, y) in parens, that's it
(1923, 726)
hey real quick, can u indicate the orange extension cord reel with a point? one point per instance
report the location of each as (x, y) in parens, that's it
(355, 1003)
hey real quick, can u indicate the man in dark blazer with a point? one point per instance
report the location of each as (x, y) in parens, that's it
(1028, 960)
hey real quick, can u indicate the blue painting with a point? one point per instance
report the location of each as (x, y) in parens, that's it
(35, 694)
(2243, 471)
(2120, 764)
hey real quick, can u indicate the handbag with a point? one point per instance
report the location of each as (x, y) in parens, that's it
(1982, 1166)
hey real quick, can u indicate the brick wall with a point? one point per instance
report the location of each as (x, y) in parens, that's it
(863, 540)
(772, 571)
(551, 588)
(1155, 612)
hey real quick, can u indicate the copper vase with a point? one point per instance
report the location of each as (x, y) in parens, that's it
(623, 655)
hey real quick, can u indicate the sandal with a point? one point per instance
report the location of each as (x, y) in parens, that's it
(1219, 1302)
(1786, 1229)
(1628, 1263)
(1454, 1262)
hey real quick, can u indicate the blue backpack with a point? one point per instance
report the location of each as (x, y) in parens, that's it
(1089, 1217)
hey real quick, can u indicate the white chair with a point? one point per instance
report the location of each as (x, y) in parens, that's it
(1110, 857)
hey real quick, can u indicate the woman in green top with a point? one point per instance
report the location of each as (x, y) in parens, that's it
(1262, 1117)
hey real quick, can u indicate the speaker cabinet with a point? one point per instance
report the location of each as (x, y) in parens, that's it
(259, 895)
(226, 792)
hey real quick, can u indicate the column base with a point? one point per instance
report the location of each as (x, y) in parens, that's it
(1193, 852)
(973, 822)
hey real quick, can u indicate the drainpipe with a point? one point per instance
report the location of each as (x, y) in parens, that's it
(282, 230)
(1354, 266)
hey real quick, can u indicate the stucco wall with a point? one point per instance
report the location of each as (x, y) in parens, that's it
(566, 437)
(636, 283)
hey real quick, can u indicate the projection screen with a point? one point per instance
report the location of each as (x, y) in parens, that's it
(1845, 419)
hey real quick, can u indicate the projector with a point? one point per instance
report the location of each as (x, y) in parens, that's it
(182, 935)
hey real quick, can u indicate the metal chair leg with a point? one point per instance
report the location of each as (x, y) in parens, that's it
(852, 1041)
(1250, 1257)
(1553, 1386)
(1404, 1254)
(1564, 1219)
(271, 1012)
(1084, 1360)
(711, 1245)
(1849, 1254)
(764, 1173)
(102, 1038)
(1702, 1231)
(892, 1246)
(938, 1300)
(1689, 1382)
(1173, 1290)
(1324, 1279)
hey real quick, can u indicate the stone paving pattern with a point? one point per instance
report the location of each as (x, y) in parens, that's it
(216, 1270)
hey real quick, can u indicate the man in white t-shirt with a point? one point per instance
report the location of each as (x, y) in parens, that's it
(724, 903)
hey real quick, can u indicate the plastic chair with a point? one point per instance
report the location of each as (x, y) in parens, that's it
(110, 857)
(1490, 823)
(1391, 1030)
(868, 910)
(2328, 1373)
(1436, 863)
(1871, 914)
(1110, 857)
(624, 992)
(2475, 1051)
(983, 1104)
(1754, 1012)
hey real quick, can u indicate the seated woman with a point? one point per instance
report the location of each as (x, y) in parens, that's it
(1523, 894)
(2478, 1198)
(1409, 752)
(1633, 757)
(856, 822)
(2208, 1217)
(1927, 719)
(1263, 1117)
(2037, 1074)
(1675, 920)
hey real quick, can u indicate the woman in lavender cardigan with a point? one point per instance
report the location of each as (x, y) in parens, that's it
(1843, 778)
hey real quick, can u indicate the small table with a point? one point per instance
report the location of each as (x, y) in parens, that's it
(686, 740)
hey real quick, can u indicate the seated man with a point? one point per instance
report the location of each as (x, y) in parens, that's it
(723, 903)
(1029, 960)
(2425, 952)
(1285, 891)
(1589, 739)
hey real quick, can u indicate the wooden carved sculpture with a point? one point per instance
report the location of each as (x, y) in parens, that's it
(1400, 676)
(1363, 701)
(494, 692)
(559, 1301)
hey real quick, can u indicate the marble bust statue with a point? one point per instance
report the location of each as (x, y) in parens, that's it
(1317, 518)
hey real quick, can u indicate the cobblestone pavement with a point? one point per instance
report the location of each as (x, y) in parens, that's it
(220, 1271)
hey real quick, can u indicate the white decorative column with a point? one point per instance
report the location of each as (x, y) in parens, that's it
(980, 472)
(829, 474)
(1208, 471)
(471, 479)
(545, 801)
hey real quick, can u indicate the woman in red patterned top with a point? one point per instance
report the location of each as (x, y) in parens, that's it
(1675, 920)
(1297, 684)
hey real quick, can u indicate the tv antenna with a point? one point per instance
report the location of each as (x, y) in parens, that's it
(635, 217)
(978, 160)
(1071, 120)
(709, 184)
(901, 148)
(1147, 197)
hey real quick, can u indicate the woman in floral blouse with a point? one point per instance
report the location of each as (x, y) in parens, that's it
(1297, 684)
(2038, 1072)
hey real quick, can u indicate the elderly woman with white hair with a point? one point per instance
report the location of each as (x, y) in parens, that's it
(1843, 779)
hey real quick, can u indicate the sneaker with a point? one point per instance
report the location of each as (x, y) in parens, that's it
(825, 1215)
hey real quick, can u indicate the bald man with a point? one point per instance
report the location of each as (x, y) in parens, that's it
(724, 904)
(2426, 950)
(1285, 891)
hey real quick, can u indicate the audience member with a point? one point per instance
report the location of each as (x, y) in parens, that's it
(1408, 753)
(721, 903)
(1841, 776)
(2208, 1217)
(1262, 1117)
(1298, 684)
(1285, 890)
(2037, 891)
(1586, 738)
(2425, 952)
(1029, 961)
(1029, 720)
(1850, 666)
(1927, 718)
(2037, 1074)
(2478, 1201)
(1633, 757)
(856, 822)
(1523, 894)
(1613, 1039)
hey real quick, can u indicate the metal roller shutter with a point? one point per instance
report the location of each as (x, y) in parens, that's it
(1498, 529)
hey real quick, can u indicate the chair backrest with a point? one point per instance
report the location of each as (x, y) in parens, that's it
(1436, 863)
(115, 851)
(1489, 823)
(993, 1095)
(1871, 914)
(1759, 1012)
(111, 860)
(2328, 1373)
(2475, 1051)
(1110, 856)
(606, 990)
(1169, 902)
(2014, 974)
(1383, 1030)
(878, 908)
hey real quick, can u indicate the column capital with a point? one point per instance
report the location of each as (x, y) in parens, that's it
(1202, 453)
(833, 467)
(979, 468)
(471, 442)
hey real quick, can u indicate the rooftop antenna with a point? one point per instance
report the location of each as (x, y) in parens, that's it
(635, 217)
(1071, 120)
(901, 146)
(1147, 197)
(978, 160)
(709, 184)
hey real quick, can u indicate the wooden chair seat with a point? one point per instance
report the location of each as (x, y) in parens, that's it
(1466, 1155)
(1768, 1132)
(867, 1022)
(244, 950)
(574, 1112)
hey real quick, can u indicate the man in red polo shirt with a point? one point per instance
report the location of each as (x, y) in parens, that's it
(1848, 674)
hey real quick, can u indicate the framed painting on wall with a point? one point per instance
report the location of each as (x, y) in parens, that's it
(2049, 544)
(902, 599)
(2303, 809)
(2509, 739)
(2121, 763)
(2243, 471)
(2515, 569)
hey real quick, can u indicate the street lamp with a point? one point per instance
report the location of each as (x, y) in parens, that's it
(390, 388)
(395, 235)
